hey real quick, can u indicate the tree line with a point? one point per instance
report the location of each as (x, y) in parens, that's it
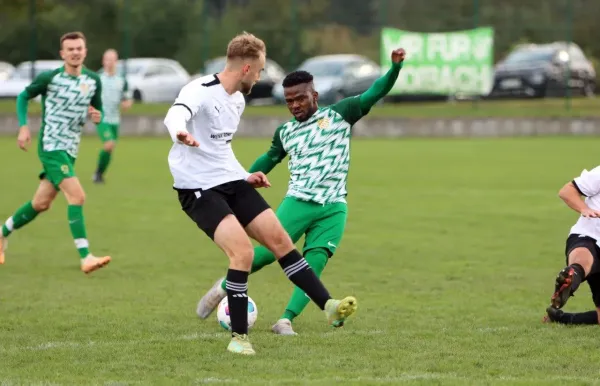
(192, 31)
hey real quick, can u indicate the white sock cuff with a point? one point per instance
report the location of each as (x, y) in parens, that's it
(10, 224)
(82, 243)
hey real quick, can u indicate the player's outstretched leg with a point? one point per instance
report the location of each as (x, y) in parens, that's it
(231, 238)
(295, 216)
(317, 259)
(267, 230)
(45, 194)
(566, 283)
(24, 215)
(555, 315)
(580, 257)
(75, 195)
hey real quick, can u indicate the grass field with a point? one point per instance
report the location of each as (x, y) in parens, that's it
(579, 107)
(451, 249)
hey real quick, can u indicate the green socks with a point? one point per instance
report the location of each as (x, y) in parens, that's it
(26, 214)
(77, 225)
(317, 259)
(23, 216)
(103, 161)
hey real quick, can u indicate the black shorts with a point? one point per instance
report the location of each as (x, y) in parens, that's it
(593, 278)
(207, 208)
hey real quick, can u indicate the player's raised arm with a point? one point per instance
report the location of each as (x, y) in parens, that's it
(186, 106)
(383, 85)
(267, 161)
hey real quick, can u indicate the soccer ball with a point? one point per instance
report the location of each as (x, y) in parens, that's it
(223, 313)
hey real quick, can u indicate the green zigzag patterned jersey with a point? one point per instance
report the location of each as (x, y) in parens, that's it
(65, 102)
(319, 150)
(114, 90)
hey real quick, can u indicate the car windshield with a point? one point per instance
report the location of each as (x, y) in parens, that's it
(530, 55)
(324, 67)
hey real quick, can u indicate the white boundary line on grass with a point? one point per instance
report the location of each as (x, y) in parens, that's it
(193, 336)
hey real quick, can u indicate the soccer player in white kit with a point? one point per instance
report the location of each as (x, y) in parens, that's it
(219, 195)
(582, 250)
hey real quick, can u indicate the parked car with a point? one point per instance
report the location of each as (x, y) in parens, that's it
(6, 69)
(154, 80)
(21, 76)
(337, 76)
(541, 70)
(263, 89)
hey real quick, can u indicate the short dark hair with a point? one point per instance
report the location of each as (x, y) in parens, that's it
(72, 36)
(297, 77)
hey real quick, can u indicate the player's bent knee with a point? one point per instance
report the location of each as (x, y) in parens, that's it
(268, 231)
(280, 243)
(232, 239)
(109, 146)
(43, 197)
(583, 257)
(41, 204)
(76, 199)
(73, 191)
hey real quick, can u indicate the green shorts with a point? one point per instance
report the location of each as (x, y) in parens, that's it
(108, 132)
(58, 165)
(323, 225)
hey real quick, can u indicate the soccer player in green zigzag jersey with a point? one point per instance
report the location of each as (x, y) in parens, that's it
(317, 141)
(115, 96)
(70, 94)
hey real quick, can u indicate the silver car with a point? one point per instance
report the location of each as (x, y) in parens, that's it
(337, 76)
(154, 80)
(21, 76)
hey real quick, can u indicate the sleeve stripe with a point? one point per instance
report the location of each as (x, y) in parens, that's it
(188, 109)
(577, 187)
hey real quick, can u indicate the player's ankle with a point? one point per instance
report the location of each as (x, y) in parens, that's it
(288, 315)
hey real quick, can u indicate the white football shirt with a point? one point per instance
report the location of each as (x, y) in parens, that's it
(204, 109)
(588, 184)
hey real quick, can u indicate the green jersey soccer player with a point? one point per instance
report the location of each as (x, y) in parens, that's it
(115, 95)
(69, 94)
(317, 141)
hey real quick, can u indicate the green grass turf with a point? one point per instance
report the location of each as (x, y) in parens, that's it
(580, 107)
(451, 248)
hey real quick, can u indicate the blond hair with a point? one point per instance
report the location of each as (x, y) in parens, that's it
(246, 46)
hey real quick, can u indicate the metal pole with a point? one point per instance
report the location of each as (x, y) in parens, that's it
(32, 37)
(383, 11)
(569, 39)
(205, 34)
(295, 35)
(475, 25)
(126, 34)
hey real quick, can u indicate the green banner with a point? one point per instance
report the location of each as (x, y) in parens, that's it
(460, 62)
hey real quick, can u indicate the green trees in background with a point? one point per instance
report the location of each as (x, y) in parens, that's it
(192, 31)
